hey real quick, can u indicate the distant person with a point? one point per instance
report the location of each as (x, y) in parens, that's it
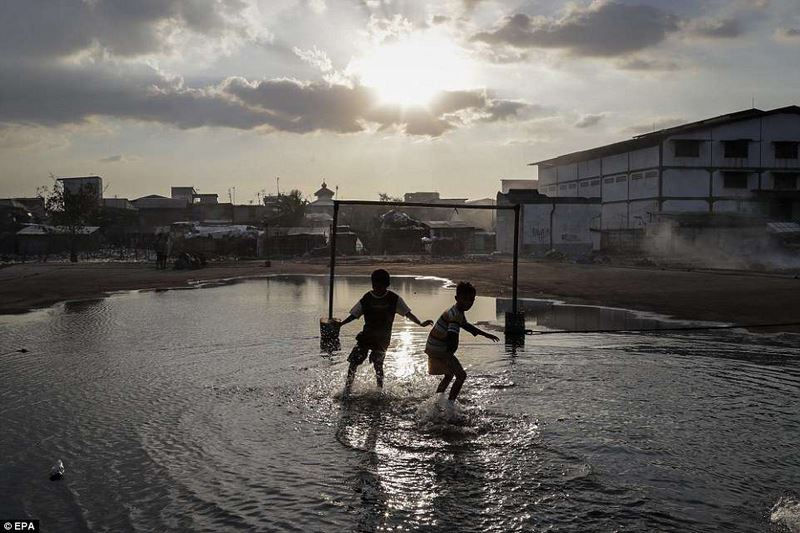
(161, 251)
(443, 341)
(378, 308)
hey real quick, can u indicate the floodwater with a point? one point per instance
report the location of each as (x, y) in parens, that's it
(213, 409)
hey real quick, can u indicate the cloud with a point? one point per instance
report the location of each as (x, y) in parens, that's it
(788, 34)
(603, 29)
(717, 28)
(587, 121)
(315, 57)
(53, 95)
(306, 107)
(641, 64)
(112, 159)
(59, 28)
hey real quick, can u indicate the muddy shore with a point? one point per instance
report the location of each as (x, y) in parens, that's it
(735, 297)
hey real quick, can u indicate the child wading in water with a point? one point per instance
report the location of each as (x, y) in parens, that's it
(378, 308)
(443, 341)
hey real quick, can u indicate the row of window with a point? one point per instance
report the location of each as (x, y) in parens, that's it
(736, 149)
(730, 180)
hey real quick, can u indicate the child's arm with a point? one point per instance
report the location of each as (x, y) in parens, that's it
(416, 320)
(349, 318)
(476, 331)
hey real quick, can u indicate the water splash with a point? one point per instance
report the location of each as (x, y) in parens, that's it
(786, 512)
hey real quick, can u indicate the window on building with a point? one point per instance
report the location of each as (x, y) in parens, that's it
(735, 180)
(785, 181)
(687, 148)
(636, 176)
(595, 183)
(563, 187)
(573, 185)
(737, 149)
(651, 174)
(786, 149)
(584, 184)
(621, 179)
(608, 180)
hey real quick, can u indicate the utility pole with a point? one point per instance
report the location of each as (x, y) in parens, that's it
(278, 185)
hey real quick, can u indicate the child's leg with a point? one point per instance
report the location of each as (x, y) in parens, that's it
(444, 383)
(461, 375)
(356, 357)
(377, 358)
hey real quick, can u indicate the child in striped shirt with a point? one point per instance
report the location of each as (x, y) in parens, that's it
(443, 341)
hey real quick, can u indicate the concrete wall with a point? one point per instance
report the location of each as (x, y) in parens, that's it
(567, 224)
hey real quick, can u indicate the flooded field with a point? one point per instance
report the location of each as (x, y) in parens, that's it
(214, 410)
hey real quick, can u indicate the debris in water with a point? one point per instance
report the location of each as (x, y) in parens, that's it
(57, 472)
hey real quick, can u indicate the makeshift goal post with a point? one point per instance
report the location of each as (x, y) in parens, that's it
(515, 320)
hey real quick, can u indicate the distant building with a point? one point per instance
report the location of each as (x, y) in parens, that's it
(206, 198)
(187, 194)
(507, 185)
(86, 184)
(744, 163)
(563, 224)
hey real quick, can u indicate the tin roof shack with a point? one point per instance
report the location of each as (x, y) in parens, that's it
(35, 206)
(347, 242)
(564, 224)
(294, 241)
(156, 211)
(43, 240)
(450, 237)
(401, 234)
(13, 216)
(209, 240)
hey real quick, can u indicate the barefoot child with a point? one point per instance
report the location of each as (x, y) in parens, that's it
(443, 341)
(378, 308)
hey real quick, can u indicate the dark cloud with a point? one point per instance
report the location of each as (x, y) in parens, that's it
(604, 28)
(440, 19)
(638, 63)
(789, 33)
(587, 121)
(718, 29)
(53, 95)
(56, 28)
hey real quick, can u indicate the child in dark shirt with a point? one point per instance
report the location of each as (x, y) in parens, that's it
(378, 308)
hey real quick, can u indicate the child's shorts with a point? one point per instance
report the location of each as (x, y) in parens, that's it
(359, 354)
(443, 364)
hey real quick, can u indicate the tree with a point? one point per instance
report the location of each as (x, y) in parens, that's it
(386, 197)
(70, 211)
(291, 208)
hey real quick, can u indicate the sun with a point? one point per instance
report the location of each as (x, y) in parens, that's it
(411, 72)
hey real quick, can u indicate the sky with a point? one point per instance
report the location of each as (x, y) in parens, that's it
(370, 96)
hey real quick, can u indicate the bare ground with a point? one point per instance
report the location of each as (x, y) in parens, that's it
(737, 297)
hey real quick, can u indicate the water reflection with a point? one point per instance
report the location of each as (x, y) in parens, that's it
(212, 410)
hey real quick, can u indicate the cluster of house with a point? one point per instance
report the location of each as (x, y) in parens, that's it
(727, 182)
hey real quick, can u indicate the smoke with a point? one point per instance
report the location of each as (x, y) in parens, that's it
(738, 248)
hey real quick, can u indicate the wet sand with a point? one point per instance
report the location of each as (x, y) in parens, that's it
(743, 298)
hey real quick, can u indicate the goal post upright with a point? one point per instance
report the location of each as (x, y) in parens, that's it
(514, 321)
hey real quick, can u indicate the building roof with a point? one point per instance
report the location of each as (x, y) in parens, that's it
(448, 224)
(652, 139)
(42, 229)
(324, 191)
(79, 178)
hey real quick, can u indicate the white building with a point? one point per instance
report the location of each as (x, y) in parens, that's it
(744, 163)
